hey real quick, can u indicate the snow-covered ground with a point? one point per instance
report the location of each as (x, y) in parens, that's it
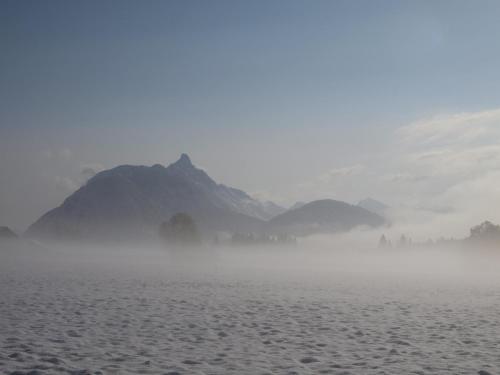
(112, 312)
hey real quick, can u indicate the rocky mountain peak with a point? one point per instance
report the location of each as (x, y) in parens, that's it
(184, 162)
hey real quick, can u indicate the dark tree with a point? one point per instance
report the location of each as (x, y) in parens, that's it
(181, 230)
(485, 232)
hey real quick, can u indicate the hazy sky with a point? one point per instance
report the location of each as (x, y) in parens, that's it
(288, 100)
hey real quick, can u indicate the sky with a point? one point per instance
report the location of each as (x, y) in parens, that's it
(287, 100)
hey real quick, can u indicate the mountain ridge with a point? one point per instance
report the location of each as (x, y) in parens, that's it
(136, 199)
(130, 201)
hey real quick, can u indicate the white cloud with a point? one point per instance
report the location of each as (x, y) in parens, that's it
(404, 177)
(460, 155)
(453, 129)
(335, 174)
(440, 175)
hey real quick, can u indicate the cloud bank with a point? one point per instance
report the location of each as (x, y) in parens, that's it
(440, 175)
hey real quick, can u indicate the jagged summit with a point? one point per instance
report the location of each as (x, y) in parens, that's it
(184, 161)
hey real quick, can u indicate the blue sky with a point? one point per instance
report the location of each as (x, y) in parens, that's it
(287, 89)
(71, 64)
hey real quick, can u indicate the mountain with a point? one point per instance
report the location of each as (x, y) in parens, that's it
(131, 201)
(323, 216)
(373, 206)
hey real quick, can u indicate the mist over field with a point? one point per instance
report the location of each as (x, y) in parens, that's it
(308, 309)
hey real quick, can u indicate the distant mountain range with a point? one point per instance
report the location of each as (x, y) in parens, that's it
(131, 202)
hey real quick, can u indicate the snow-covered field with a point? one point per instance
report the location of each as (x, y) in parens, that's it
(118, 313)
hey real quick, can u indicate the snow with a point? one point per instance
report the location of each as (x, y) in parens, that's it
(114, 312)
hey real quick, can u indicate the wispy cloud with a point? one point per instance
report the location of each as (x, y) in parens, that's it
(460, 156)
(453, 129)
(444, 169)
(335, 174)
